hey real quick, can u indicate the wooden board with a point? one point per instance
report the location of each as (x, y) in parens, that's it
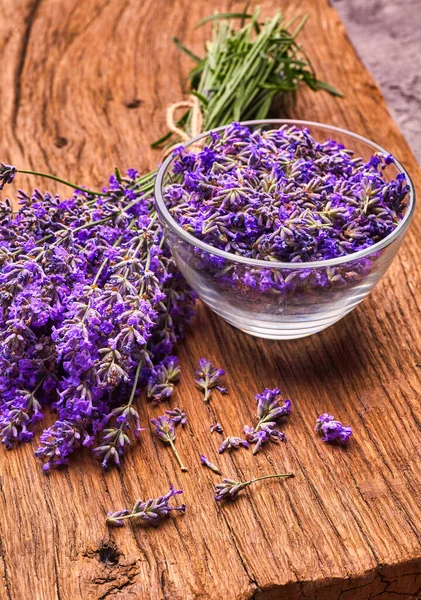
(84, 86)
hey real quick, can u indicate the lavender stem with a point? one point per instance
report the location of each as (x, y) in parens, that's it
(180, 462)
(68, 183)
(284, 475)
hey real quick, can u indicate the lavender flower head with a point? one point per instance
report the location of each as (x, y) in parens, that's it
(7, 174)
(332, 430)
(177, 416)
(161, 382)
(231, 443)
(207, 378)
(150, 512)
(216, 427)
(207, 463)
(269, 413)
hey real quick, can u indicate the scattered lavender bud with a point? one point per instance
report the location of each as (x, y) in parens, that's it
(165, 430)
(229, 489)
(177, 416)
(150, 512)
(7, 174)
(232, 442)
(207, 378)
(205, 461)
(332, 430)
(216, 427)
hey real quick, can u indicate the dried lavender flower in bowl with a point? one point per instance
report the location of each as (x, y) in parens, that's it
(283, 227)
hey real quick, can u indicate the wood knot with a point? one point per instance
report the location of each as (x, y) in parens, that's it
(135, 103)
(108, 554)
(60, 142)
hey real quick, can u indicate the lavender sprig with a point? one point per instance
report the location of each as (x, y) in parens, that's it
(231, 443)
(205, 461)
(165, 430)
(229, 489)
(269, 413)
(150, 512)
(332, 430)
(207, 378)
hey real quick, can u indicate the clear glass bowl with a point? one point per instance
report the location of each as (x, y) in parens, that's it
(309, 296)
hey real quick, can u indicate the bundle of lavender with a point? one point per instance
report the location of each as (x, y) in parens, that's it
(91, 303)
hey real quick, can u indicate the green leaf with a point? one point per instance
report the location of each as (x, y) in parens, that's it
(200, 96)
(117, 174)
(189, 53)
(322, 85)
(220, 16)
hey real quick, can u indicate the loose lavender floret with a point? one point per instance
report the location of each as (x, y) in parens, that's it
(7, 174)
(281, 195)
(150, 512)
(216, 427)
(91, 306)
(229, 489)
(269, 413)
(177, 416)
(165, 430)
(232, 442)
(332, 430)
(207, 378)
(205, 461)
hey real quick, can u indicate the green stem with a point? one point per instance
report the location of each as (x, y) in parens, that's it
(182, 467)
(135, 382)
(207, 395)
(284, 475)
(54, 178)
(39, 385)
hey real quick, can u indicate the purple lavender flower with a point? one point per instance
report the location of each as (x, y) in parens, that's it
(216, 427)
(207, 378)
(150, 512)
(165, 430)
(232, 442)
(177, 416)
(205, 461)
(269, 413)
(91, 306)
(161, 383)
(281, 195)
(332, 430)
(229, 489)
(7, 174)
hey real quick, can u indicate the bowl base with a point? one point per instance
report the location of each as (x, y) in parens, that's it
(288, 331)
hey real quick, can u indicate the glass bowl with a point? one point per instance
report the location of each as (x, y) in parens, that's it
(308, 296)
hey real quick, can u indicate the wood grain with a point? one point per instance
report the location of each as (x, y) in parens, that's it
(84, 85)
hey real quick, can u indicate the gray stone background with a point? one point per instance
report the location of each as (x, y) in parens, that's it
(387, 36)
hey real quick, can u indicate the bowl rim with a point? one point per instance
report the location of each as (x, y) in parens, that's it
(256, 262)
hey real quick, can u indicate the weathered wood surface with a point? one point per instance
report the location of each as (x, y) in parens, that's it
(83, 89)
